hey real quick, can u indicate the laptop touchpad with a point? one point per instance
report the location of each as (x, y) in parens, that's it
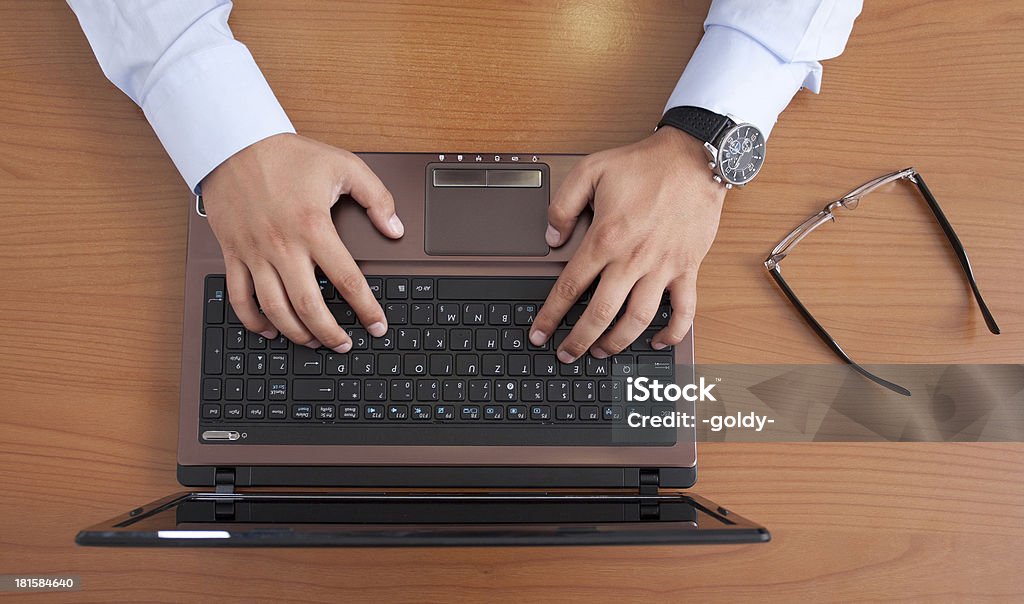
(500, 210)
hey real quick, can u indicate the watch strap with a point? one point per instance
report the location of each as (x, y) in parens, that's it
(698, 122)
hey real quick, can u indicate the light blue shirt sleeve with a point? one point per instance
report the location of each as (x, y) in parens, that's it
(200, 88)
(756, 54)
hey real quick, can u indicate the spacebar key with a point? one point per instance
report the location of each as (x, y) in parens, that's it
(313, 390)
(494, 289)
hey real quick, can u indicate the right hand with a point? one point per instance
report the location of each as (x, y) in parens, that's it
(270, 207)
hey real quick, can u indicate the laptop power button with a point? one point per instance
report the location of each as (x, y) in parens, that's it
(220, 435)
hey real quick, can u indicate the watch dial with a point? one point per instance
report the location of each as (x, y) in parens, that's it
(741, 154)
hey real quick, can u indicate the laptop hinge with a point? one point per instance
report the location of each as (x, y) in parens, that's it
(650, 481)
(224, 480)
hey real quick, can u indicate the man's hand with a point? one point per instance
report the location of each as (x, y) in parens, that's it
(270, 207)
(656, 211)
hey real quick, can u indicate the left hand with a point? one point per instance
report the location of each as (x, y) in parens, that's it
(656, 212)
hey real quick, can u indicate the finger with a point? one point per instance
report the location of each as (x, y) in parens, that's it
(684, 304)
(274, 302)
(337, 264)
(576, 277)
(569, 201)
(304, 293)
(240, 293)
(640, 311)
(363, 185)
(600, 312)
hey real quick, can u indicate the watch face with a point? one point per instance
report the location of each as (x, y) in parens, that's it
(741, 154)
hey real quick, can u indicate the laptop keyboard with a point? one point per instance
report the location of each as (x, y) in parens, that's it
(455, 364)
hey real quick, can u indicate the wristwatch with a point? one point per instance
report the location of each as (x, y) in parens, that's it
(736, 151)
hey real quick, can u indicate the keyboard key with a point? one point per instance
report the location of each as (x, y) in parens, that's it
(643, 343)
(348, 411)
(610, 391)
(494, 412)
(325, 411)
(255, 411)
(401, 390)
(385, 342)
(467, 364)
(375, 390)
(326, 287)
(211, 411)
(376, 286)
(512, 339)
(573, 316)
(518, 364)
(434, 339)
(256, 363)
(232, 318)
(362, 364)
(398, 412)
(360, 339)
(663, 315)
(256, 341)
(427, 390)
(213, 353)
(444, 412)
(460, 339)
(441, 364)
(480, 391)
(487, 339)
(589, 413)
(342, 313)
(422, 289)
(233, 389)
(516, 412)
(349, 390)
(408, 339)
(335, 364)
(215, 296)
(313, 389)
(654, 365)
(302, 411)
(277, 412)
(474, 314)
(211, 389)
(558, 390)
(470, 412)
(531, 391)
(233, 411)
(524, 314)
(565, 413)
(236, 337)
(397, 313)
(449, 313)
(583, 391)
(422, 314)
(277, 390)
(596, 367)
(397, 289)
(278, 363)
(422, 412)
(499, 314)
(306, 361)
(255, 389)
(540, 412)
(492, 364)
(612, 413)
(389, 364)
(622, 365)
(453, 391)
(234, 363)
(279, 343)
(571, 369)
(468, 288)
(415, 364)
(505, 390)
(545, 365)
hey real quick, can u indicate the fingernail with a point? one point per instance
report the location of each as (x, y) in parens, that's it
(345, 347)
(552, 236)
(269, 334)
(314, 344)
(565, 357)
(659, 345)
(598, 353)
(538, 337)
(396, 225)
(377, 329)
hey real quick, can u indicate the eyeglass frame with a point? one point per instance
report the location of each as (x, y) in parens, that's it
(850, 201)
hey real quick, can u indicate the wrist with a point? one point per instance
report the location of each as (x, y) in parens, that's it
(686, 155)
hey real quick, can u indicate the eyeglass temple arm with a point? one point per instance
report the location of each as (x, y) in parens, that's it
(958, 247)
(828, 339)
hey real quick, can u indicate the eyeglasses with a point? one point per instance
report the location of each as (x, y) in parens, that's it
(850, 201)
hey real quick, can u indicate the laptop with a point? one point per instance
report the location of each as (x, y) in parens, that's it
(452, 428)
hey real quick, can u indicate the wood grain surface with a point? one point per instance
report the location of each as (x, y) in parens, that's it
(92, 243)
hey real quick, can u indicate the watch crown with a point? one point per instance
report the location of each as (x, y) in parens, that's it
(728, 185)
(712, 165)
(717, 178)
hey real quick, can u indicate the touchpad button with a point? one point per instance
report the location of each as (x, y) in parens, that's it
(500, 210)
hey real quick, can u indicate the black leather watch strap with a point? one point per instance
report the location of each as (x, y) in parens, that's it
(696, 121)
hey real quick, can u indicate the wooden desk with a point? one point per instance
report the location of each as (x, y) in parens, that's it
(92, 255)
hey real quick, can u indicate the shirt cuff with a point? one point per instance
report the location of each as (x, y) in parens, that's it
(732, 74)
(211, 105)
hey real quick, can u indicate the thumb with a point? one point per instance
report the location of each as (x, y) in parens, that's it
(368, 191)
(575, 193)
